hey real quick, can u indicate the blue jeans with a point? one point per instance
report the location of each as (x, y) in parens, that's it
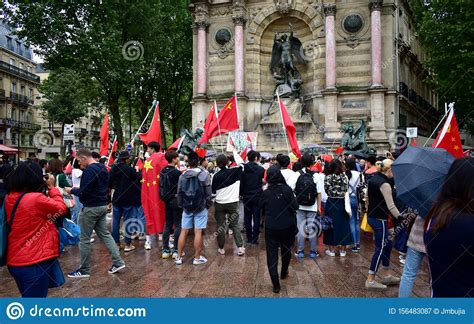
(354, 221)
(410, 270)
(306, 223)
(128, 214)
(383, 245)
(76, 209)
(34, 280)
(173, 215)
(140, 215)
(252, 214)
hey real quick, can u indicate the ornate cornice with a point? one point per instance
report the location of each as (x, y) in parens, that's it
(329, 9)
(375, 5)
(284, 6)
(200, 13)
(239, 13)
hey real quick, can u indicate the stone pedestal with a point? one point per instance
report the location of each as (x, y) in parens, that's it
(377, 114)
(331, 130)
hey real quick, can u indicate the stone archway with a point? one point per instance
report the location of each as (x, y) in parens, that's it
(309, 27)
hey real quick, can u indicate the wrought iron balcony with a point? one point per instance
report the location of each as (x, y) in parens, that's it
(2, 94)
(24, 74)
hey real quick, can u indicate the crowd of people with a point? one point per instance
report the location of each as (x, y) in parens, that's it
(293, 201)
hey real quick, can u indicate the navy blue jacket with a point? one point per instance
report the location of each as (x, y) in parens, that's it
(94, 186)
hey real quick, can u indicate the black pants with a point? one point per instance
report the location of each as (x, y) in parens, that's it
(173, 215)
(252, 219)
(284, 240)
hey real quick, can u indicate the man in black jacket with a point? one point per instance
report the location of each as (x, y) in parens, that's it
(169, 177)
(125, 199)
(251, 189)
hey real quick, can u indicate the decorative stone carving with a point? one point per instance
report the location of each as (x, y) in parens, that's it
(223, 36)
(352, 23)
(375, 5)
(329, 9)
(239, 13)
(284, 6)
(200, 14)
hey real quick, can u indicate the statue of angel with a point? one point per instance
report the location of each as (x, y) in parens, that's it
(286, 51)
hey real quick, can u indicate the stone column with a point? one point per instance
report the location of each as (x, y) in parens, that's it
(239, 18)
(375, 7)
(201, 27)
(330, 12)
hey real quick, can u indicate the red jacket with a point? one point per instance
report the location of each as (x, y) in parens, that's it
(34, 237)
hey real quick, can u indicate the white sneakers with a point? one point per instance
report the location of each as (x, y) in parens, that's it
(241, 251)
(330, 253)
(221, 251)
(374, 285)
(129, 248)
(147, 245)
(342, 253)
(201, 260)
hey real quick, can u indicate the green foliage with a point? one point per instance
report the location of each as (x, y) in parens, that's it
(134, 50)
(67, 99)
(446, 30)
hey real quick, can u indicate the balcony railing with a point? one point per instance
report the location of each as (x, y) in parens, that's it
(8, 68)
(83, 131)
(95, 133)
(18, 124)
(2, 94)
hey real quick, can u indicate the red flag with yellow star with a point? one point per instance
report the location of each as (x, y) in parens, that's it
(228, 120)
(449, 137)
(153, 206)
(153, 133)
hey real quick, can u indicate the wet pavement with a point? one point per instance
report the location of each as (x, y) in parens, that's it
(148, 275)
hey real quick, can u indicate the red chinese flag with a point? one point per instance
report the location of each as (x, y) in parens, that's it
(176, 144)
(114, 149)
(449, 137)
(413, 142)
(153, 206)
(104, 136)
(211, 122)
(200, 152)
(228, 120)
(339, 150)
(139, 164)
(68, 169)
(153, 133)
(290, 130)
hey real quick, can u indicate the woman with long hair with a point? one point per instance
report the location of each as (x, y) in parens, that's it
(336, 185)
(449, 238)
(56, 168)
(354, 179)
(31, 206)
(380, 205)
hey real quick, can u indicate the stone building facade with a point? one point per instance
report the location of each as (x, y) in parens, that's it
(364, 63)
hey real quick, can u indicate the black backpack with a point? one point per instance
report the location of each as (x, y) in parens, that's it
(305, 189)
(191, 194)
(168, 189)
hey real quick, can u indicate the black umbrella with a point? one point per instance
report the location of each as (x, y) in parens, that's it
(419, 173)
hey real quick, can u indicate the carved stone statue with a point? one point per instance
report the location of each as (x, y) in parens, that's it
(191, 140)
(287, 50)
(354, 139)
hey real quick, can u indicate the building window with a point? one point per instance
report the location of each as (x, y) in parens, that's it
(22, 116)
(30, 142)
(13, 138)
(9, 43)
(13, 87)
(19, 48)
(22, 90)
(21, 66)
(12, 62)
(30, 94)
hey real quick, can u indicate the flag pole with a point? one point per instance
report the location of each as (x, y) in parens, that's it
(439, 124)
(111, 152)
(144, 120)
(218, 125)
(283, 123)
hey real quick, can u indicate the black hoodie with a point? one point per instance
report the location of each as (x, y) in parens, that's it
(251, 181)
(278, 202)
